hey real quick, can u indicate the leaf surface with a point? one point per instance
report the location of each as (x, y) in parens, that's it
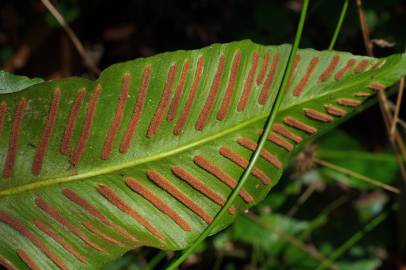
(10, 83)
(148, 153)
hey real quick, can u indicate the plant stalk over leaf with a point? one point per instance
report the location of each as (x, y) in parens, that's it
(275, 106)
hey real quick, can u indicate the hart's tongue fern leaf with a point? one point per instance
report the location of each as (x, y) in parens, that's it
(149, 153)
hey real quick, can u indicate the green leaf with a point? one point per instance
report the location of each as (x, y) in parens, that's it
(367, 264)
(10, 83)
(148, 153)
(272, 240)
(343, 150)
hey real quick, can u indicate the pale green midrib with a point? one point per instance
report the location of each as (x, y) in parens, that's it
(48, 182)
(52, 181)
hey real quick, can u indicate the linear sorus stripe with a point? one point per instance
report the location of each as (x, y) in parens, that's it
(370, 65)
(261, 74)
(284, 131)
(77, 199)
(149, 195)
(222, 176)
(173, 108)
(7, 264)
(115, 199)
(3, 111)
(192, 94)
(361, 66)
(118, 117)
(13, 140)
(167, 185)
(163, 103)
(263, 96)
(377, 86)
(340, 74)
(379, 64)
(248, 83)
(333, 110)
(205, 113)
(295, 123)
(100, 234)
(265, 154)
(243, 163)
(23, 230)
(302, 84)
(296, 61)
(52, 212)
(348, 102)
(27, 259)
(47, 230)
(87, 126)
(228, 95)
(139, 106)
(316, 115)
(70, 125)
(46, 133)
(279, 141)
(330, 68)
(362, 94)
(200, 186)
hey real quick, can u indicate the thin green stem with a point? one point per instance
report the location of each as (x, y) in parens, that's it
(74, 38)
(302, 199)
(272, 114)
(355, 238)
(219, 260)
(155, 260)
(322, 217)
(339, 24)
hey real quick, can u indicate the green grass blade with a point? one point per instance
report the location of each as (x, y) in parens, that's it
(356, 237)
(339, 24)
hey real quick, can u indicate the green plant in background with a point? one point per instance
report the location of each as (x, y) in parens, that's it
(148, 154)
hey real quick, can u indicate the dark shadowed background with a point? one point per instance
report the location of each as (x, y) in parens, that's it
(319, 208)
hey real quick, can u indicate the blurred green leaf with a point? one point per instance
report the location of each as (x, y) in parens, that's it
(343, 150)
(69, 10)
(5, 53)
(367, 264)
(10, 83)
(270, 240)
(127, 262)
(275, 200)
(370, 205)
(372, 18)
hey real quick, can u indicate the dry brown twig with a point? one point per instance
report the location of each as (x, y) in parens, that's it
(397, 142)
(75, 40)
(357, 175)
(302, 199)
(397, 109)
(19, 59)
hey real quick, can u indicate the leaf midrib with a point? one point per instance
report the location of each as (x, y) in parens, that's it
(110, 169)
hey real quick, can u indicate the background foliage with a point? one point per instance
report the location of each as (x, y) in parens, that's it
(309, 215)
